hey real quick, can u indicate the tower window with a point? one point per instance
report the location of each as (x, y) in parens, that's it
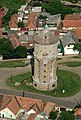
(44, 70)
(44, 65)
(53, 85)
(36, 85)
(44, 81)
(44, 75)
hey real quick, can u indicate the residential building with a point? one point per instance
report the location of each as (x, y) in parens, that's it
(75, 16)
(67, 43)
(13, 23)
(77, 114)
(78, 34)
(14, 38)
(31, 25)
(71, 24)
(22, 108)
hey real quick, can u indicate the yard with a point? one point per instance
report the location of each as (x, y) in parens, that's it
(67, 81)
(13, 64)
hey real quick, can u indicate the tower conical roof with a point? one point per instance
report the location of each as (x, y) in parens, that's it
(46, 37)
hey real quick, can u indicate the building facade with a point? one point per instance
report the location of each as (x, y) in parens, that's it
(45, 60)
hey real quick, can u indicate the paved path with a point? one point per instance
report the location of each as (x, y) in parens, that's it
(7, 72)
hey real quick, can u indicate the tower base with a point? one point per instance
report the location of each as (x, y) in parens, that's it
(45, 86)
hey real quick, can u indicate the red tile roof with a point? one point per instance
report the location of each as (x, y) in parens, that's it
(32, 116)
(71, 23)
(72, 17)
(3, 11)
(13, 106)
(31, 25)
(28, 102)
(49, 107)
(14, 40)
(77, 112)
(78, 33)
(11, 103)
(13, 22)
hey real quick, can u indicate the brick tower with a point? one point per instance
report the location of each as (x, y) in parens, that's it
(45, 60)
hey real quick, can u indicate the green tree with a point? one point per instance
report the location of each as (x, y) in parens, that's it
(6, 48)
(77, 47)
(53, 115)
(73, 1)
(6, 18)
(66, 115)
(20, 52)
(20, 24)
(56, 7)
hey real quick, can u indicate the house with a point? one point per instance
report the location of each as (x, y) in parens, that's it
(71, 24)
(27, 40)
(23, 12)
(31, 25)
(78, 34)
(3, 12)
(74, 16)
(54, 21)
(9, 107)
(13, 23)
(37, 9)
(48, 108)
(77, 114)
(14, 38)
(67, 43)
(27, 103)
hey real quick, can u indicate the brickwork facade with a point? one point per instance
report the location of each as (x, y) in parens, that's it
(45, 65)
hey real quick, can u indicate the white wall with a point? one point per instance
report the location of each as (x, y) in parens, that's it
(69, 50)
(7, 114)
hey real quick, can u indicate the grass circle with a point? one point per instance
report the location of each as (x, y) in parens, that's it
(68, 81)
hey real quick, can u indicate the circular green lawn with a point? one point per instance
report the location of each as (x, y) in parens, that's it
(71, 64)
(67, 81)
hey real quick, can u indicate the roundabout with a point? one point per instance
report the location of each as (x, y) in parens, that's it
(68, 84)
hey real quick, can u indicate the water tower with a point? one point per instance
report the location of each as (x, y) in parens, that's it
(45, 60)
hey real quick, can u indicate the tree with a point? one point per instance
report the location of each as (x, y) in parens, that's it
(66, 115)
(6, 48)
(20, 24)
(6, 18)
(20, 52)
(77, 47)
(53, 115)
(56, 7)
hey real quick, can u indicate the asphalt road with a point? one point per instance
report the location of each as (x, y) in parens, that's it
(45, 98)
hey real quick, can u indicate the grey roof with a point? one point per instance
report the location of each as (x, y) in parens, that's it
(25, 38)
(68, 39)
(54, 18)
(45, 37)
(45, 14)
